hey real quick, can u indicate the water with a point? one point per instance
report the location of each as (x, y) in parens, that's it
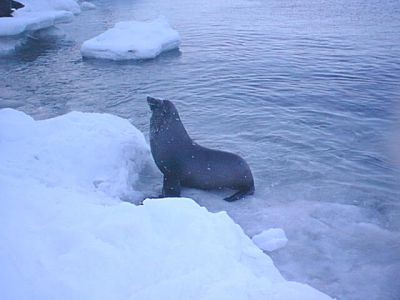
(307, 91)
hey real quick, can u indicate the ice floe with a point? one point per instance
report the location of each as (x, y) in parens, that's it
(36, 15)
(32, 21)
(133, 40)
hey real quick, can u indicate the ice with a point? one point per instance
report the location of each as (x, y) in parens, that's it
(271, 239)
(9, 44)
(67, 235)
(36, 15)
(32, 21)
(133, 40)
(85, 5)
(332, 246)
(49, 5)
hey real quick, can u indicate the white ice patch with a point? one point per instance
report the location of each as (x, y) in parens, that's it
(50, 5)
(271, 239)
(87, 5)
(36, 15)
(64, 238)
(133, 40)
(32, 21)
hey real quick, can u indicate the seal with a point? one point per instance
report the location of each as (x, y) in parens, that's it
(185, 163)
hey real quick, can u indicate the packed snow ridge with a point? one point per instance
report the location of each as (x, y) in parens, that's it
(133, 40)
(65, 233)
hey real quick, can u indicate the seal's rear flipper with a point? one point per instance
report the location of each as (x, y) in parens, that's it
(16, 4)
(240, 194)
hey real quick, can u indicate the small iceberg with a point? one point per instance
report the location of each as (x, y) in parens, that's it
(271, 239)
(133, 40)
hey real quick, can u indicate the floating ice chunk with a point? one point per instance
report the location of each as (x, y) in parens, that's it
(133, 40)
(271, 239)
(87, 5)
(50, 5)
(32, 21)
(36, 15)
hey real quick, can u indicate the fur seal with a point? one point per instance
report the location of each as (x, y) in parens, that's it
(185, 163)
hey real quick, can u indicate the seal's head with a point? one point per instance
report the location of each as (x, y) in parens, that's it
(164, 107)
(165, 117)
(154, 103)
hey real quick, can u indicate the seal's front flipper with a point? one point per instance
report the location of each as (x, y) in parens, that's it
(171, 186)
(240, 194)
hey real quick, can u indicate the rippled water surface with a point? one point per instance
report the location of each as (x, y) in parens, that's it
(307, 91)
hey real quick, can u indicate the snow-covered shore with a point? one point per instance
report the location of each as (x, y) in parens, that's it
(65, 233)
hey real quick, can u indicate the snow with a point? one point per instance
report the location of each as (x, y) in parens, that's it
(133, 40)
(67, 235)
(271, 239)
(79, 150)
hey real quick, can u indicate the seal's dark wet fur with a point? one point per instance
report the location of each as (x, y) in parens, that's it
(185, 163)
(7, 7)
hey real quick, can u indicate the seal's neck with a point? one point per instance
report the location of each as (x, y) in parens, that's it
(171, 127)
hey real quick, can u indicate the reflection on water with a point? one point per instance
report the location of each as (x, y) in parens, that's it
(306, 91)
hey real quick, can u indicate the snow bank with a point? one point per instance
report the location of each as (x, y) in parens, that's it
(133, 40)
(65, 235)
(271, 239)
(77, 150)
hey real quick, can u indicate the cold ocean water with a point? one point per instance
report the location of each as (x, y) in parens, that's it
(307, 91)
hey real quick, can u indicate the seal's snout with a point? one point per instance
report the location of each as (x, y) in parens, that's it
(153, 102)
